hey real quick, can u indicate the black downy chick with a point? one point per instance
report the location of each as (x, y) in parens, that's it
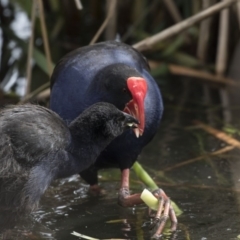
(36, 147)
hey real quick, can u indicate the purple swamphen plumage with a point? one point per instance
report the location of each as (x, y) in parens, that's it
(112, 72)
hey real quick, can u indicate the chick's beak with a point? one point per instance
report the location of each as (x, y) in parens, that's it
(130, 121)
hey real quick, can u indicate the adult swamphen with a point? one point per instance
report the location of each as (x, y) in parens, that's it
(36, 147)
(116, 73)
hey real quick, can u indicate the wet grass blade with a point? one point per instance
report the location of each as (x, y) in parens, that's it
(90, 238)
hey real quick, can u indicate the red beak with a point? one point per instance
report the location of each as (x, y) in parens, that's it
(138, 88)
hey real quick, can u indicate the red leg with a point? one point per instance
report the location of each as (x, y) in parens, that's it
(127, 200)
(124, 197)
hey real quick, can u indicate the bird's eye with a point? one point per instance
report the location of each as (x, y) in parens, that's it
(124, 90)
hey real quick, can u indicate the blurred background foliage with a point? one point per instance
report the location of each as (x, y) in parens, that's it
(69, 28)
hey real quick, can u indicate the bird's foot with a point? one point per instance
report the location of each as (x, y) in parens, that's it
(127, 200)
(123, 194)
(165, 211)
(96, 190)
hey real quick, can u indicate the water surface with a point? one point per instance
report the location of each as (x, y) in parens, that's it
(206, 190)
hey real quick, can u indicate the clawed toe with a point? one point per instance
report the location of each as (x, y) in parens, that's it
(165, 211)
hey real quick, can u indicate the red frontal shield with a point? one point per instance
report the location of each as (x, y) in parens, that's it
(138, 88)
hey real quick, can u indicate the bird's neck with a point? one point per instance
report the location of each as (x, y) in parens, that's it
(86, 144)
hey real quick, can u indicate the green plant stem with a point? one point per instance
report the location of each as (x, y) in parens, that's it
(144, 176)
(148, 181)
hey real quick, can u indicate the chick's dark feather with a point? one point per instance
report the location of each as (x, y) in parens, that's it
(36, 147)
(32, 133)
